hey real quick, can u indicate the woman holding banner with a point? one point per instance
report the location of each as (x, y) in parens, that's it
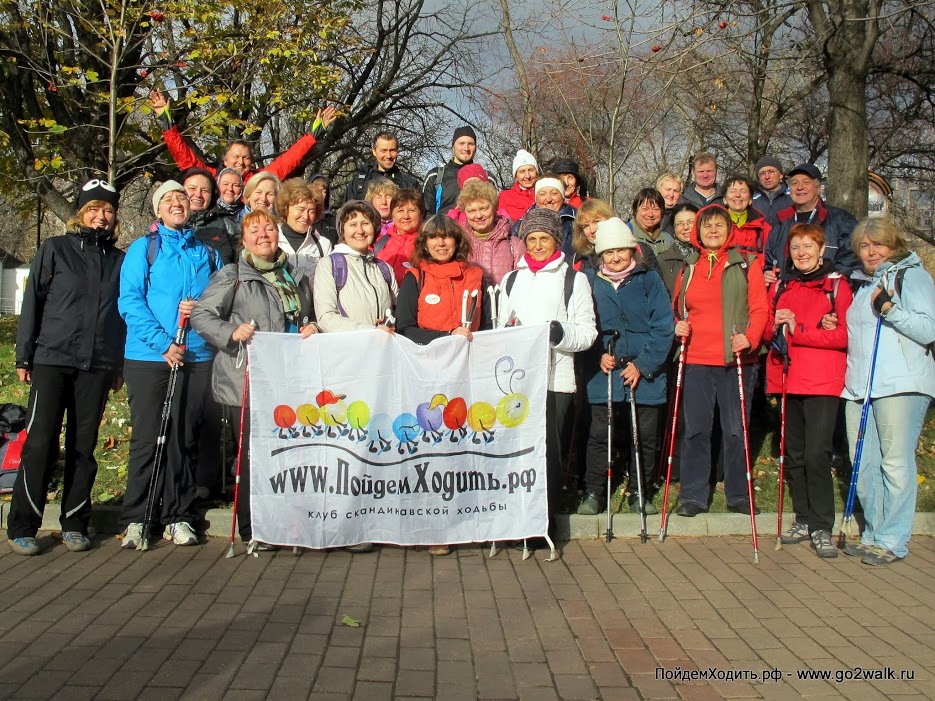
(546, 289)
(263, 291)
(432, 298)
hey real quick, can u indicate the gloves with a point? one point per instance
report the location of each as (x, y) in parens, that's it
(556, 333)
(880, 301)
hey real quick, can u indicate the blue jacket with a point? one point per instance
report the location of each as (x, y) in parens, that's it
(640, 310)
(149, 297)
(903, 361)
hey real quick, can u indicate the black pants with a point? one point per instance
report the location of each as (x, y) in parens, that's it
(704, 387)
(147, 384)
(557, 413)
(647, 418)
(57, 392)
(208, 471)
(809, 437)
(244, 524)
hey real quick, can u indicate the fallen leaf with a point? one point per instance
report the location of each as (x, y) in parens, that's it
(921, 479)
(348, 621)
(110, 443)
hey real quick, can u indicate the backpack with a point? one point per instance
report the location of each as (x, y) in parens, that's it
(570, 273)
(11, 452)
(154, 246)
(339, 270)
(898, 286)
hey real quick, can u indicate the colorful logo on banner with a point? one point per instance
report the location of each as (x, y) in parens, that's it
(451, 434)
(431, 422)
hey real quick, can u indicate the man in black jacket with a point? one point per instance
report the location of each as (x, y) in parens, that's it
(385, 152)
(440, 190)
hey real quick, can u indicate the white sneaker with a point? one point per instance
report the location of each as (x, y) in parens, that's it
(181, 533)
(133, 536)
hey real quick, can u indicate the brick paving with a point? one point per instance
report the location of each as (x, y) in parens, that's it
(187, 623)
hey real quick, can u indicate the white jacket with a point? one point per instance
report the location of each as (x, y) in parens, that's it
(306, 258)
(364, 298)
(538, 298)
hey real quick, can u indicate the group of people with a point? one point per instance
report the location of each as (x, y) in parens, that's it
(700, 284)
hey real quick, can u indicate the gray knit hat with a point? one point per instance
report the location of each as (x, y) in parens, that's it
(544, 220)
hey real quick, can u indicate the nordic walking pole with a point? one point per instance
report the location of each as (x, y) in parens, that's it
(859, 447)
(746, 449)
(163, 434)
(614, 335)
(782, 440)
(243, 411)
(672, 432)
(638, 463)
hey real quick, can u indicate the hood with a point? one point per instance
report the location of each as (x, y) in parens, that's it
(696, 240)
(891, 267)
(94, 237)
(345, 249)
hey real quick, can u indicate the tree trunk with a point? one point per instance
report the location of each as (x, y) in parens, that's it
(848, 148)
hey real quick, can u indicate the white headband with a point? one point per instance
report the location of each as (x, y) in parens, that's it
(550, 182)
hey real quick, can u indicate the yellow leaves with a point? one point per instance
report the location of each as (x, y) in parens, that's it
(921, 479)
(55, 164)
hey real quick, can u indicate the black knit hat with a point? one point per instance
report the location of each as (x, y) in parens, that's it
(566, 165)
(97, 189)
(463, 131)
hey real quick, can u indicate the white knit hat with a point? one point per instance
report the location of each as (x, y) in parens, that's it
(163, 190)
(613, 233)
(524, 158)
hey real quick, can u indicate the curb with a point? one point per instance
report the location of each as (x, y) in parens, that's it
(104, 520)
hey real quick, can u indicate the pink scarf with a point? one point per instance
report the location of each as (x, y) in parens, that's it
(535, 266)
(616, 279)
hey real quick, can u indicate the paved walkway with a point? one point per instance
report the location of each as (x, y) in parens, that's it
(188, 623)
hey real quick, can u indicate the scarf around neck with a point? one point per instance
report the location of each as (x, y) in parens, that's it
(276, 274)
(616, 279)
(535, 265)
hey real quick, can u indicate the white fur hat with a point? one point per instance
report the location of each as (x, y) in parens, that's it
(613, 233)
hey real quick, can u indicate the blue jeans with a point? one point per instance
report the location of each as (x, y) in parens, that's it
(887, 482)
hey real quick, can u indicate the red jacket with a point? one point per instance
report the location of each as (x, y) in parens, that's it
(516, 201)
(281, 167)
(397, 250)
(817, 358)
(752, 236)
(442, 292)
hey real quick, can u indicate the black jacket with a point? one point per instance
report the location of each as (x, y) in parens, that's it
(357, 188)
(447, 177)
(220, 230)
(69, 315)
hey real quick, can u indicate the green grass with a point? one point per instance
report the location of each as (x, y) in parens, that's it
(114, 442)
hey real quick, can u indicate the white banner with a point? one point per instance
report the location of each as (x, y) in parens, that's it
(364, 436)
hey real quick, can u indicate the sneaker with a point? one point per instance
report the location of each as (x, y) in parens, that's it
(76, 541)
(181, 533)
(821, 541)
(857, 549)
(796, 534)
(591, 506)
(133, 536)
(360, 548)
(439, 550)
(743, 508)
(879, 556)
(690, 509)
(24, 546)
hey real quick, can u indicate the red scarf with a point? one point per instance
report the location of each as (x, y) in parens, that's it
(535, 266)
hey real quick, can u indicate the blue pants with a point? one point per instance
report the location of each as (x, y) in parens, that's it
(887, 482)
